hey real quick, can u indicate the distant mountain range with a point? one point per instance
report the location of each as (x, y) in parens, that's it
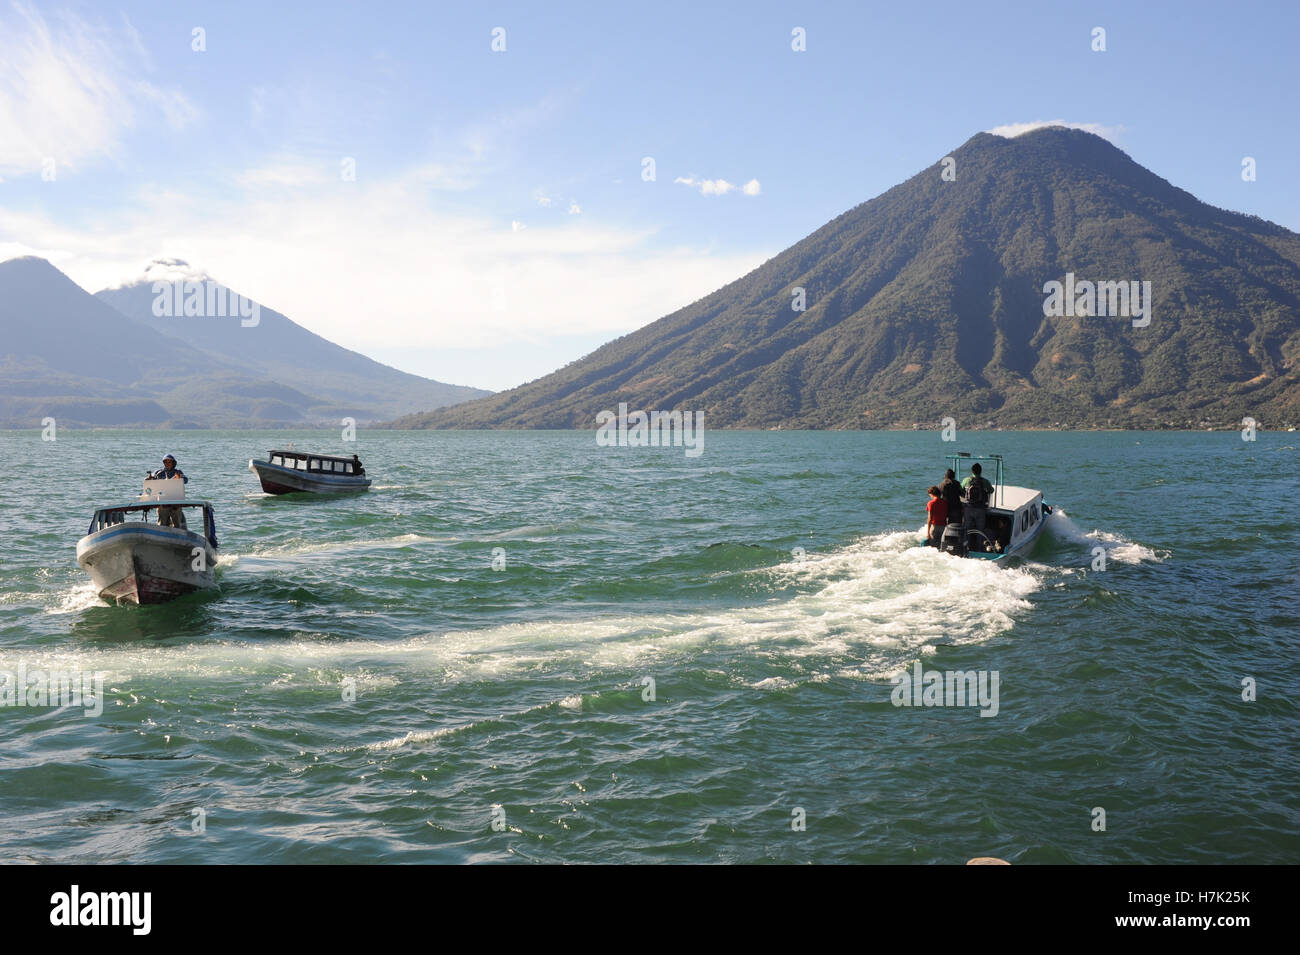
(929, 302)
(109, 360)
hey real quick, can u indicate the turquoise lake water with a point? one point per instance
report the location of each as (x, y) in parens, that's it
(770, 588)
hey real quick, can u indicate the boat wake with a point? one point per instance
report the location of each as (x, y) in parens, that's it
(1117, 548)
(860, 611)
(298, 549)
(76, 599)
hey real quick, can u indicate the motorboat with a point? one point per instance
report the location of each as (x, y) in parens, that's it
(145, 552)
(1014, 518)
(284, 472)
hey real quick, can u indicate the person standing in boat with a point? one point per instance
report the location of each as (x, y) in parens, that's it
(978, 496)
(168, 471)
(169, 516)
(936, 517)
(952, 493)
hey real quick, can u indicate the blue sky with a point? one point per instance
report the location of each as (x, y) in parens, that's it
(498, 225)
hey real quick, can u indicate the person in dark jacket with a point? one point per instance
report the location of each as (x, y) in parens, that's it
(168, 471)
(951, 492)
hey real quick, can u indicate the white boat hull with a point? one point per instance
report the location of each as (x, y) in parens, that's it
(146, 564)
(1023, 541)
(1026, 516)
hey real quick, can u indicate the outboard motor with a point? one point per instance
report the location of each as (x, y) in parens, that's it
(953, 541)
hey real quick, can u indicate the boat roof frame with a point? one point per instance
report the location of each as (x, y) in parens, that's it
(150, 505)
(313, 454)
(998, 484)
(209, 533)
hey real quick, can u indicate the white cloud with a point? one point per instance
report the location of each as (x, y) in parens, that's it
(544, 201)
(163, 270)
(718, 187)
(517, 226)
(574, 208)
(382, 264)
(707, 187)
(67, 93)
(488, 136)
(1012, 130)
(288, 173)
(451, 176)
(176, 109)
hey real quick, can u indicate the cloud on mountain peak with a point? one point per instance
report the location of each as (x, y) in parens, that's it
(1012, 130)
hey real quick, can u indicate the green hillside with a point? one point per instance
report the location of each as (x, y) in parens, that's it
(927, 302)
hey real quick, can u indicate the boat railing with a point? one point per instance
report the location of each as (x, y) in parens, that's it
(107, 517)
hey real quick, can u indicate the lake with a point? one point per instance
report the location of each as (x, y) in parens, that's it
(523, 646)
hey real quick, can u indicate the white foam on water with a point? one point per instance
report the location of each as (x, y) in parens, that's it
(362, 681)
(300, 549)
(415, 736)
(528, 530)
(887, 598)
(75, 599)
(772, 683)
(861, 609)
(1117, 547)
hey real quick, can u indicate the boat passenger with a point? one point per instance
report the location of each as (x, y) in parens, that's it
(936, 517)
(170, 516)
(168, 471)
(978, 496)
(356, 465)
(1003, 534)
(951, 492)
